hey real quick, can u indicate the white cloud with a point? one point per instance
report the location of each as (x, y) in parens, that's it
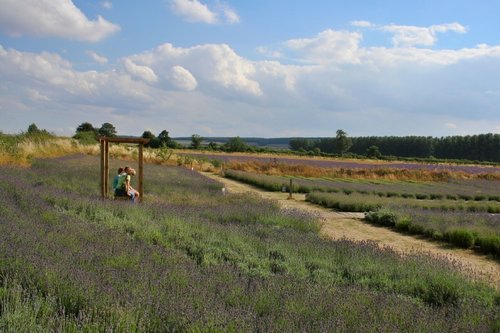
(97, 58)
(407, 36)
(107, 4)
(362, 24)
(183, 79)
(328, 46)
(36, 96)
(215, 66)
(230, 15)
(52, 18)
(269, 52)
(194, 11)
(139, 71)
(332, 79)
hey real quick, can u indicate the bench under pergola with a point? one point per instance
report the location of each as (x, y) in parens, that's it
(104, 141)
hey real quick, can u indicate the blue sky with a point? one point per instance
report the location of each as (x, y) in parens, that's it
(251, 68)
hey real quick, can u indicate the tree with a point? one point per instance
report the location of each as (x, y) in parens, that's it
(85, 138)
(235, 145)
(373, 152)
(148, 135)
(85, 127)
(342, 142)
(196, 141)
(33, 129)
(213, 146)
(164, 139)
(154, 142)
(107, 129)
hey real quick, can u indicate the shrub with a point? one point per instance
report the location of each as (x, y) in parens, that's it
(489, 244)
(460, 237)
(403, 223)
(383, 216)
(416, 228)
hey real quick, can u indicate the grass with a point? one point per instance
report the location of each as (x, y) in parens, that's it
(193, 259)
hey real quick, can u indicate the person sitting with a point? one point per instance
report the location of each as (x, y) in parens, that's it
(121, 186)
(116, 179)
(132, 193)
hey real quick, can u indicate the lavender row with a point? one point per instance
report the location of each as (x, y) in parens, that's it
(456, 190)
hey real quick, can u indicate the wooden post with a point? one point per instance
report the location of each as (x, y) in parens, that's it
(141, 172)
(290, 189)
(106, 168)
(102, 167)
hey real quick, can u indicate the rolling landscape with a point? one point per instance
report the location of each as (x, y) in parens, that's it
(192, 166)
(420, 254)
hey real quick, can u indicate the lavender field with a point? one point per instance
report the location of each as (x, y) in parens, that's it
(333, 163)
(465, 213)
(192, 259)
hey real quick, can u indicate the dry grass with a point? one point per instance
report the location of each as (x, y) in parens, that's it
(23, 153)
(26, 150)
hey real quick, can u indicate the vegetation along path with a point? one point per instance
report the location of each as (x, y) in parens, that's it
(337, 225)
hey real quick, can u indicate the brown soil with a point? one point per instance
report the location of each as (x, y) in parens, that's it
(338, 225)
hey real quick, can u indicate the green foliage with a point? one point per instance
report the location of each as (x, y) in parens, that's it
(373, 152)
(85, 127)
(196, 141)
(460, 237)
(85, 138)
(384, 217)
(235, 145)
(107, 130)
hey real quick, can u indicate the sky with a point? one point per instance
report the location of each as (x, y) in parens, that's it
(260, 68)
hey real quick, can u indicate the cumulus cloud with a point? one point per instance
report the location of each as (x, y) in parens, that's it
(195, 11)
(107, 4)
(362, 24)
(97, 58)
(331, 79)
(36, 96)
(215, 66)
(328, 46)
(230, 15)
(183, 79)
(407, 36)
(140, 71)
(52, 18)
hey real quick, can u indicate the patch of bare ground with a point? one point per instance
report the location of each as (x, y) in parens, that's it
(337, 225)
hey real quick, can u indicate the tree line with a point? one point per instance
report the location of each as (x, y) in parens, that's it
(481, 147)
(86, 133)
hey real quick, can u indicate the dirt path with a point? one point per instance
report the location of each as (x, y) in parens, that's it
(350, 225)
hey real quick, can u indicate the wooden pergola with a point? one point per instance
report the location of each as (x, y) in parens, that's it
(104, 141)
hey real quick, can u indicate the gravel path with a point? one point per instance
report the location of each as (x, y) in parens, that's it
(338, 225)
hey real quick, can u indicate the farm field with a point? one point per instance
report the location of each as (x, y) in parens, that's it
(319, 162)
(462, 212)
(350, 225)
(193, 259)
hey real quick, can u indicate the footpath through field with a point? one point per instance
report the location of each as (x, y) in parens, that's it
(337, 225)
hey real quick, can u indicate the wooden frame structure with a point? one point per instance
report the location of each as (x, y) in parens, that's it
(104, 142)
